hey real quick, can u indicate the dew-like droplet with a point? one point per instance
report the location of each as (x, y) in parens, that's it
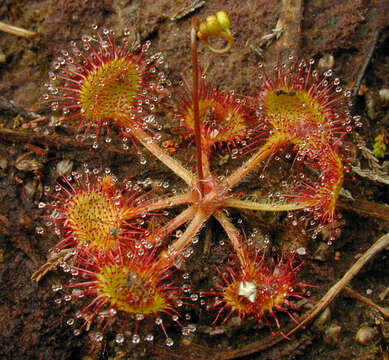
(139, 317)
(169, 342)
(328, 73)
(194, 297)
(56, 287)
(39, 230)
(98, 337)
(149, 337)
(135, 339)
(119, 338)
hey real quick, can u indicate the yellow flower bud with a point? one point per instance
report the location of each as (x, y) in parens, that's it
(216, 26)
(223, 20)
(213, 26)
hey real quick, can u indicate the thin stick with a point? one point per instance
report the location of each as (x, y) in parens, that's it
(383, 295)
(360, 297)
(207, 241)
(377, 247)
(362, 70)
(14, 30)
(365, 207)
(52, 263)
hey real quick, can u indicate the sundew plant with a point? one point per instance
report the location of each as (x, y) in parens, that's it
(123, 251)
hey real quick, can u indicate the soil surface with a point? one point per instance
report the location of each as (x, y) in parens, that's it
(343, 35)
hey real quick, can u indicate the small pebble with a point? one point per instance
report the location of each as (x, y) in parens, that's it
(64, 167)
(28, 165)
(29, 189)
(365, 335)
(384, 96)
(323, 318)
(323, 252)
(331, 335)
(3, 163)
(326, 62)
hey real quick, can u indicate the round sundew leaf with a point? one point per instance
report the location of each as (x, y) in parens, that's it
(110, 91)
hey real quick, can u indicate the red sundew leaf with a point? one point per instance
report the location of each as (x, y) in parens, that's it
(124, 290)
(96, 213)
(259, 289)
(226, 119)
(104, 84)
(303, 108)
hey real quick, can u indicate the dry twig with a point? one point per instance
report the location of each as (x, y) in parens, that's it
(360, 297)
(365, 207)
(52, 263)
(14, 30)
(362, 71)
(376, 248)
(56, 141)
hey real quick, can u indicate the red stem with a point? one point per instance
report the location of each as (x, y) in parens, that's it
(195, 103)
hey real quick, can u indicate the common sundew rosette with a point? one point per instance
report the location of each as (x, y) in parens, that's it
(100, 84)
